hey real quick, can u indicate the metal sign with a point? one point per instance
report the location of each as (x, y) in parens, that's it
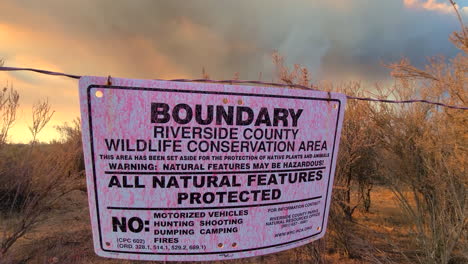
(198, 171)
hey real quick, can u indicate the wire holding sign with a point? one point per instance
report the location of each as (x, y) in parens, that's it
(2, 68)
(189, 173)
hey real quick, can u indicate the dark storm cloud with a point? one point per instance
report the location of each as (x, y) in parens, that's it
(336, 39)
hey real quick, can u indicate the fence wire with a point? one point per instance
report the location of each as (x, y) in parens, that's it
(73, 76)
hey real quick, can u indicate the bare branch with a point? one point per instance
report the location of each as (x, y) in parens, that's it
(42, 114)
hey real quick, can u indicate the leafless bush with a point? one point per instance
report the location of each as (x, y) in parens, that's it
(42, 176)
(426, 150)
(71, 138)
(356, 167)
(9, 103)
(298, 75)
(425, 166)
(357, 160)
(41, 115)
(460, 39)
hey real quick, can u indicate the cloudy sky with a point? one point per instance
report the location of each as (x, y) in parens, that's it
(336, 39)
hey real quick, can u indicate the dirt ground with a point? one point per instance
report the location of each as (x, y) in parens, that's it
(65, 237)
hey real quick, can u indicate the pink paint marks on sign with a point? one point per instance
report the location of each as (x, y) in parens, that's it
(198, 171)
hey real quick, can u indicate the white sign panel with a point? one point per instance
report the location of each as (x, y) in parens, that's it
(192, 171)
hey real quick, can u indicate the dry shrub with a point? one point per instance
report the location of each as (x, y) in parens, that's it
(425, 159)
(357, 159)
(426, 153)
(298, 75)
(417, 150)
(356, 170)
(38, 176)
(9, 103)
